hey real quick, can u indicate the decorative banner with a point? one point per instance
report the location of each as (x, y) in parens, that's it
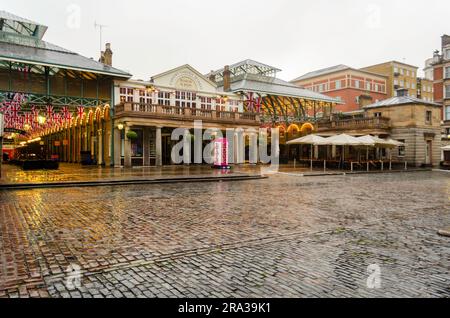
(221, 152)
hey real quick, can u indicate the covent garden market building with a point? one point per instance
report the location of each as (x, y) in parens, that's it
(60, 105)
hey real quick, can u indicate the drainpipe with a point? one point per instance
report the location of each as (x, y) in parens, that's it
(112, 112)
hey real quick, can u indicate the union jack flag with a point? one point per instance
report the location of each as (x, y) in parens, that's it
(34, 112)
(28, 117)
(14, 109)
(65, 112)
(69, 117)
(20, 121)
(253, 104)
(49, 110)
(8, 121)
(80, 111)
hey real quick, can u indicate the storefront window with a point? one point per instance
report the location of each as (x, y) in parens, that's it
(447, 112)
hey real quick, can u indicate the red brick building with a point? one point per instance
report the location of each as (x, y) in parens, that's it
(441, 85)
(355, 88)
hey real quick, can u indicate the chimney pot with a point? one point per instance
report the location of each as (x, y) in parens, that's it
(106, 56)
(226, 78)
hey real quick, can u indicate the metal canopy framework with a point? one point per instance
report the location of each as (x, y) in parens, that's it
(288, 110)
(245, 67)
(280, 102)
(11, 23)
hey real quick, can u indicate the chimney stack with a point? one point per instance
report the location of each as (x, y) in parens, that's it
(106, 56)
(445, 40)
(226, 78)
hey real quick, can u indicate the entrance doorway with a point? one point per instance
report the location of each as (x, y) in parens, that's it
(166, 150)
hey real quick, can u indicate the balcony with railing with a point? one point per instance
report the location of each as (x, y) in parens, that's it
(360, 124)
(152, 111)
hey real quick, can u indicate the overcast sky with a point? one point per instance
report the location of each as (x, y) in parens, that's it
(149, 37)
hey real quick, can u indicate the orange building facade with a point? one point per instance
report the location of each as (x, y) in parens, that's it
(354, 88)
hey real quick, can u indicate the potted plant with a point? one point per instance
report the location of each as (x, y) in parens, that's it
(132, 135)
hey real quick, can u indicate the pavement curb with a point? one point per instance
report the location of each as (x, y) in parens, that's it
(77, 184)
(324, 174)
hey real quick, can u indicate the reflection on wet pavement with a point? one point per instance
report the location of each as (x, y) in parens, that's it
(319, 232)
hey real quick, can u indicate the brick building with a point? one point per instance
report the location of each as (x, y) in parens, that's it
(354, 88)
(441, 83)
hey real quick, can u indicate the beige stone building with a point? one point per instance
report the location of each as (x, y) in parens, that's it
(414, 122)
(425, 89)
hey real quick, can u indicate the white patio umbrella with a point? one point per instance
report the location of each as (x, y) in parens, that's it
(396, 143)
(342, 140)
(446, 147)
(368, 140)
(307, 140)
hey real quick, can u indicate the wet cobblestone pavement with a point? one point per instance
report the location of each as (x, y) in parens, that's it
(286, 236)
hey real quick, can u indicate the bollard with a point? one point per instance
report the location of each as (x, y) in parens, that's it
(351, 166)
(390, 165)
(382, 165)
(406, 165)
(324, 166)
(368, 166)
(294, 162)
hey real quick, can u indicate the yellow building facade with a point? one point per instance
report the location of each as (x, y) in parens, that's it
(401, 76)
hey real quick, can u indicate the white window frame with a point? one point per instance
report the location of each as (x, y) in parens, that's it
(447, 72)
(164, 98)
(206, 103)
(185, 99)
(447, 91)
(145, 97)
(126, 94)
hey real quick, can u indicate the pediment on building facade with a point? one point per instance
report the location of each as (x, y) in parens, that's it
(185, 78)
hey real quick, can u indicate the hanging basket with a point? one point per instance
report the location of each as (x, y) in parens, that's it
(132, 135)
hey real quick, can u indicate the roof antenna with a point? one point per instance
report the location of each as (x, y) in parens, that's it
(100, 27)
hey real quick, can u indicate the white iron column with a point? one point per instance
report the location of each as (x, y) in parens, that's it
(146, 146)
(253, 147)
(127, 150)
(158, 146)
(117, 148)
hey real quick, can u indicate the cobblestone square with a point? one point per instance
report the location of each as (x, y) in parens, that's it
(285, 236)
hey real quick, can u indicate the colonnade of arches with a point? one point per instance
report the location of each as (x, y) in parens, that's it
(85, 138)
